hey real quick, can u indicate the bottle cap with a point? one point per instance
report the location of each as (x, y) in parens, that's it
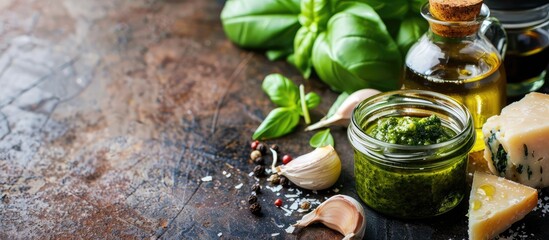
(454, 11)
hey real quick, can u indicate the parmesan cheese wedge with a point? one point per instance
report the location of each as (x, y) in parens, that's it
(517, 141)
(496, 203)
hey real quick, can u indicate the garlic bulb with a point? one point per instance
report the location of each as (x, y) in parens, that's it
(344, 111)
(341, 213)
(316, 170)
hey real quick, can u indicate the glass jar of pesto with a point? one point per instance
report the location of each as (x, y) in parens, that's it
(411, 181)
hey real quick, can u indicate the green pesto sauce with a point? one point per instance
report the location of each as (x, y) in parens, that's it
(411, 193)
(411, 130)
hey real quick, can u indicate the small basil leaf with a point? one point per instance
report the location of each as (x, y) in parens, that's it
(340, 99)
(321, 139)
(279, 122)
(312, 99)
(281, 90)
(411, 29)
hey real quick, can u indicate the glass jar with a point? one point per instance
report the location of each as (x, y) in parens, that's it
(461, 59)
(527, 55)
(408, 181)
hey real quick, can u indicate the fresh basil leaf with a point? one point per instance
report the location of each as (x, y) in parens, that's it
(303, 47)
(312, 100)
(313, 19)
(315, 14)
(265, 24)
(321, 139)
(340, 99)
(281, 90)
(279, 122)
(356, 51)
(411, 29)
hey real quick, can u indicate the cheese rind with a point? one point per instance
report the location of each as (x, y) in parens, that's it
(517, 141)
(496, 203)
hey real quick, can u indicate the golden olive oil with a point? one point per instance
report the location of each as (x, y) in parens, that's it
(476, 80)
(527, 55)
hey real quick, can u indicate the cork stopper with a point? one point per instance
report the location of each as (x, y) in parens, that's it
(455, 11)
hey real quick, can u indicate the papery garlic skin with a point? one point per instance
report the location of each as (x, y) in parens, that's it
(341, 213)
(343, 113)
(317, 170)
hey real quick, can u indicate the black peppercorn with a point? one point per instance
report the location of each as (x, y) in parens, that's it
(284, 181)
(255, 208)
(256, 188)
(259, 170)
(252, 199)
(275, 147)
(259, 161)
(262, 148)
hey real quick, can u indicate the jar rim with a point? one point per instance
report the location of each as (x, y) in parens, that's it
(414, 153)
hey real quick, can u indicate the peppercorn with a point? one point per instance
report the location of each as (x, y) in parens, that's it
(278, 202)
(252, 199)
(254, 144)
(284, 181)
(275, 179)
(259, 161)
(275, 147)
(256, 188)
(259, 170)
(262, 148)
(255, 154)
(255, 208)
(305, 205)
(286, 159)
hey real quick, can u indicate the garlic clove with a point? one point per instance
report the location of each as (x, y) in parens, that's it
(343, 114)
(341, 213)
(316, 170)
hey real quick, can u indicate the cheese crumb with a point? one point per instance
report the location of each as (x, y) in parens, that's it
(206, 179)
(290, 229)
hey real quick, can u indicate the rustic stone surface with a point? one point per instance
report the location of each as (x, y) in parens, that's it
(111, 112)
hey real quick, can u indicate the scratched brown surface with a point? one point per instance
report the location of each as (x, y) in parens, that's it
(112, 111)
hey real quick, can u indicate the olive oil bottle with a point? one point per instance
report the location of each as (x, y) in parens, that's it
(455, 58)
(478, 82)
(526, 60)
(527, 55)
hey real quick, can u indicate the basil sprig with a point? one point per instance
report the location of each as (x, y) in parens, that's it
(350, 44)
(283, 119)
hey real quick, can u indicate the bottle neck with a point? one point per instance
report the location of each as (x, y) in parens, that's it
(436, 37)
(454, 30)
